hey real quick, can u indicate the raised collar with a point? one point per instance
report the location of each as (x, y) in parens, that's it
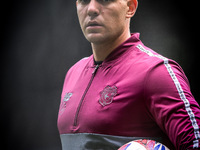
(119, 51)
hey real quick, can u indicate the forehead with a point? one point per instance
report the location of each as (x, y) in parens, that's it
(99, 1)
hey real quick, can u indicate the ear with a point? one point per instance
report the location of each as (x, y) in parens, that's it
(132, 5)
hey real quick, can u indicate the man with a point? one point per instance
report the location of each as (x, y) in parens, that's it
(124, 91)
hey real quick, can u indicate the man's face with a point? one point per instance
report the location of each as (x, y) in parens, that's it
(102, 20)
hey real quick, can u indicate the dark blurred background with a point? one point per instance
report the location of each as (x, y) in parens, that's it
(41, 39)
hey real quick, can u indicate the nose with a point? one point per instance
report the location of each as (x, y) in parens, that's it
(93, 8)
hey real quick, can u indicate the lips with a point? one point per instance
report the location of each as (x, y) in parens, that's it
(93, 24)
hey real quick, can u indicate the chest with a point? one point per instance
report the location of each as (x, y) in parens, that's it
(105, 100)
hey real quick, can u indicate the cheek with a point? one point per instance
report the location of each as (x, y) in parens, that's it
(81, 15)
(116, 14)
(115, 20)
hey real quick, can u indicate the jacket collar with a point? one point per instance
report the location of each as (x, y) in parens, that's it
(119, 51)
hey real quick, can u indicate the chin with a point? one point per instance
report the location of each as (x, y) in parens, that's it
(96, 38)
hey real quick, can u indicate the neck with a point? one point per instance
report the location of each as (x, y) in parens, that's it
(102, 50)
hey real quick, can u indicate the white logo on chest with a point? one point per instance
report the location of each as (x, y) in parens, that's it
(67, 97)
(64, 101)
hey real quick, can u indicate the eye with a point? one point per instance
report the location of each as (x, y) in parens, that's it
(105, 1)
(83, 1)
(88, 1)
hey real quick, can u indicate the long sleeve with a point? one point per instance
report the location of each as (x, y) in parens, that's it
(171, 104)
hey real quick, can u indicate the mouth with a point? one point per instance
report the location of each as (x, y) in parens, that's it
(93, 24)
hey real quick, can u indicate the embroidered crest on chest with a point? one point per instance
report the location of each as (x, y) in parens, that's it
(107, 95)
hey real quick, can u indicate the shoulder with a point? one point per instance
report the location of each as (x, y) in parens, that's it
(160, 70)
(163, 76)
(81, 64)
(147, 60)
(155, 60)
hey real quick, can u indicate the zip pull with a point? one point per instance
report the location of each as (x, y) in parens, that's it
(95, 69)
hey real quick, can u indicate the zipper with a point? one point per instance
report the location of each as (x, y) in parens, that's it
(84, 94)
